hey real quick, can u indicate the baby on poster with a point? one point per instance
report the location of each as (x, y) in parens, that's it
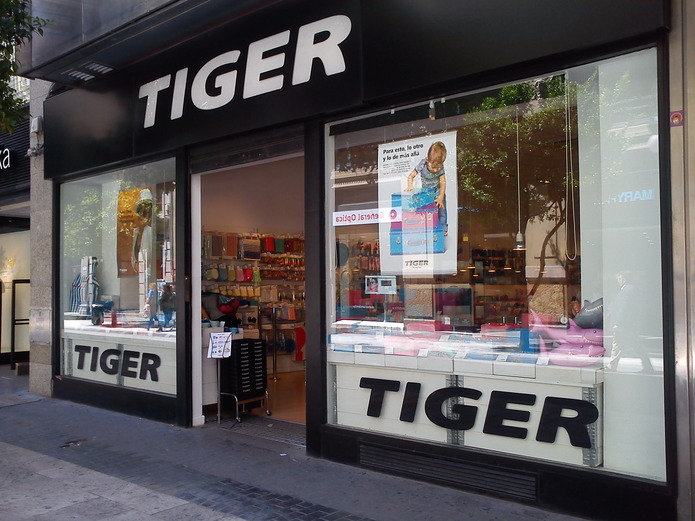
(433, 177)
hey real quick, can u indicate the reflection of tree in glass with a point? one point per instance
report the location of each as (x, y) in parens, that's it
(86, 211)
(82, 218)
(487, 159)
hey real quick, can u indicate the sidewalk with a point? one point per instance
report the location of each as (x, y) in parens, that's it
(64, 461)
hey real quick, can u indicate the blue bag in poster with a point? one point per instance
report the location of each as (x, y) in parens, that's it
(419, 230)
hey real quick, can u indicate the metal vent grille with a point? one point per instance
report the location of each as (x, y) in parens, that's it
(87, 71)
(501, 482)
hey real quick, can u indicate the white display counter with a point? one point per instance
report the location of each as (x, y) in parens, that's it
(516, 403)
(129, 357)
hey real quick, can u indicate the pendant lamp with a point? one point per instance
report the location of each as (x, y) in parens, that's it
(519, 243)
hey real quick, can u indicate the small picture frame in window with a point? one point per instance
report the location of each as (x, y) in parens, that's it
(379, 285)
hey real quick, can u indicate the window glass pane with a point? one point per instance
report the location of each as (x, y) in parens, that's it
(496, 282)
(118, 278)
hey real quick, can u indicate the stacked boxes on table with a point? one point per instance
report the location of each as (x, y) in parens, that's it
(419, 230)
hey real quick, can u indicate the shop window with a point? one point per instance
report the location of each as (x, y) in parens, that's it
(118, 274)
(496, 277)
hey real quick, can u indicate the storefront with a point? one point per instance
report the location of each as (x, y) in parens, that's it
(14, 244)
(460, 243)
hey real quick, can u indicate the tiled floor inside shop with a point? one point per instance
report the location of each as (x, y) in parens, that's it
(287, 404)
(287, 396)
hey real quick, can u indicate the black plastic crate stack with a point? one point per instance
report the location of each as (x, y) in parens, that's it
(243, 374)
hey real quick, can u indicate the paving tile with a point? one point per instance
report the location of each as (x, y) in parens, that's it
(91, 510)
(17, 399)
(190, 511)
(63, 460)
(37, 495)
(13, 473)
(130, 515)
(7, 514)
(139, 498)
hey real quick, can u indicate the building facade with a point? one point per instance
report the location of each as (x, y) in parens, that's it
(14, 242)
(466, 226)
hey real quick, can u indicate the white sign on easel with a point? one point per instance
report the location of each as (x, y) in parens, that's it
(220, 345)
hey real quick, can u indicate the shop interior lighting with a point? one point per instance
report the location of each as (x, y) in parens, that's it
(519, 245)
(466, 238)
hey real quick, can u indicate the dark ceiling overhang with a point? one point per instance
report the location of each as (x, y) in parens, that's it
(14, 224)
(140, 39)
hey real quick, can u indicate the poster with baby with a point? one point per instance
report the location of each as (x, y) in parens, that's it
(417, 187)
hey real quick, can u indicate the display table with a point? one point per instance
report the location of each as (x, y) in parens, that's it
(127, 357)
(516, 403)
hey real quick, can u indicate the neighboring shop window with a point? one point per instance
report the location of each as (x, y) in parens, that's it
(496, 279)
(118, 273)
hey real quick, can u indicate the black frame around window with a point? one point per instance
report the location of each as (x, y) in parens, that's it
(556, 485)
(173, 409)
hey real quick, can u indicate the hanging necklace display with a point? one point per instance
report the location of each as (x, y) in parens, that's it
(570, 202)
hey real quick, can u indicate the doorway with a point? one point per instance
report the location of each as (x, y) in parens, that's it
(248, 232)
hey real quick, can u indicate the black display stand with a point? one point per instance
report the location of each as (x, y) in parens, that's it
(243, 376)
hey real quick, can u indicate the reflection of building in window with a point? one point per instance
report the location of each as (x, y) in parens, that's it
(142, 233)
(85, 288)
(167, 246)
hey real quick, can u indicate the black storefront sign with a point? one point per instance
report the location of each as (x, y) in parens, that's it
(14, 162)
(7, 159)
(248, 74)
(420, 45)
(282, 64)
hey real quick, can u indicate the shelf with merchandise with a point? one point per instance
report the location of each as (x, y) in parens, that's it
(250, 246)
(264, 273)
(279, 291)
(269, 267)
(249, 274)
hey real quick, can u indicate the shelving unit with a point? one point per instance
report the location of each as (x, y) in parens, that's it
(241, 263)
(280, 334)
(266, 275)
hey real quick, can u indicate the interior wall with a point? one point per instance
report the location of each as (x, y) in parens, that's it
(15, 255)
(264, 198)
